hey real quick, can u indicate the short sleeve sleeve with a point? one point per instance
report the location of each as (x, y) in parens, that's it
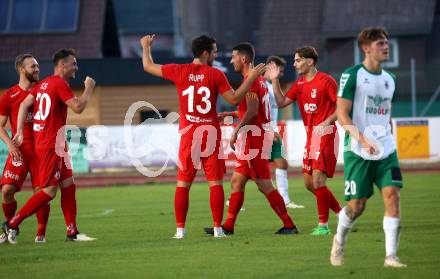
(4, 105)
(64, 91)
(223, 83)
(293, 91)
(332, 89)
(347, 85)
(170, 72)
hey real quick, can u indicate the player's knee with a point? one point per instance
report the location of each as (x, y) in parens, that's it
(8, 192)
(309, 186)
(359, 209)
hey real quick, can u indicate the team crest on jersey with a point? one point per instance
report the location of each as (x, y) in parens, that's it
(57, 175)
(16, 163)
(44, 85)
(387, 85)
(313, 93)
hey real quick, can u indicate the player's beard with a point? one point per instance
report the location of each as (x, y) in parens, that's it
(30, 77)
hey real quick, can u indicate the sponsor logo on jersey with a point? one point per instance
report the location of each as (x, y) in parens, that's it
(196, 119)
(38, 127)
(366, 81)
(313, 93)
(44, 85)
(310, 108)
(301, 82)
(379, 106)
(9, 174)
(17, 163)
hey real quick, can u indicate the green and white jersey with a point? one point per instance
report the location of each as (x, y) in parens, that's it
(371, 94)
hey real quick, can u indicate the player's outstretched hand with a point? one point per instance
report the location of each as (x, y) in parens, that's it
(272, 71)
(89, 82)
(147, 40)
(256, 71)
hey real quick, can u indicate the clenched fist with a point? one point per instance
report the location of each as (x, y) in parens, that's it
(147, 40)
(89, 82)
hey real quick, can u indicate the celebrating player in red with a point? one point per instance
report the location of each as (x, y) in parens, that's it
(21, 160)
(255, 137)
(52, 96)
(198, 86)
(315, 93)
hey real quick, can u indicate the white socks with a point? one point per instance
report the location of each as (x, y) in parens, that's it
(391, 227)
(344, 225)
(282, 184)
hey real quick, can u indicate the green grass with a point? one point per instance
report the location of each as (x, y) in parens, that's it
(135, 239)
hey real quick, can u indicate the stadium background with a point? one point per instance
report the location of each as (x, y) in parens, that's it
(134, 224)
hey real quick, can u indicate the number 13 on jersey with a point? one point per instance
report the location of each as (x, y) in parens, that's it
(205, 105)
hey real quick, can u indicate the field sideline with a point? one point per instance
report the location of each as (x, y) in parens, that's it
(134, 226)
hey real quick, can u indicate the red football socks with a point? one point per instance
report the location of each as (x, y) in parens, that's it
(9, 209)
(217, 203)
(277, 204)
(42, 218)
(235, 203)
(323, 203)
(334, 204)
(68, 205)
(181, 201)
(35, 202)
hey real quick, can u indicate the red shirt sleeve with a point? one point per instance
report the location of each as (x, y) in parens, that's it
(223, 83)
(332, 89)
(64, 91)
(171, 72)
(293, 91)
(4, 104)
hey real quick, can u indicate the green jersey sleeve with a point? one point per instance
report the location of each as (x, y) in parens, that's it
(347, 83)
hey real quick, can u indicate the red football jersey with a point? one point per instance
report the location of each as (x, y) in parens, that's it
(50, 110)
(263, 117)
(198, 87)
(316, 99)
(9, 106)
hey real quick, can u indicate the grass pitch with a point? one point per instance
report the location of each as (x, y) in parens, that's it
(134, 226)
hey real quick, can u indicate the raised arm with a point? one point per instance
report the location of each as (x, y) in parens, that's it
(234, 98)
(273, 72)
(22, 111)
(78, 104)
(147, 59)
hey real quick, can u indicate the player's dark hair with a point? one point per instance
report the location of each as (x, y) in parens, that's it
(371, 34)
(63, 54)
(307, 52)
(246, 49)
(19, 60)
(279, 61)
(202, 43)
